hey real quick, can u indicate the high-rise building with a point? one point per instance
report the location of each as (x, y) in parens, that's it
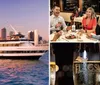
(3, 33)
(36, 37)
(31, 35)
(40, 38)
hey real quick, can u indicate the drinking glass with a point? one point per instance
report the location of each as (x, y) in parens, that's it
(52, 73)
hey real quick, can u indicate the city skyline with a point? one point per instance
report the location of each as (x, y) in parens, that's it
(25, 15)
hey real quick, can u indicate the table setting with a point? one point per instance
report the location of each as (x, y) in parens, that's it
(71, 36)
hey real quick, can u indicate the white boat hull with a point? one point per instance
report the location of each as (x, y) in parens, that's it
(21, 55)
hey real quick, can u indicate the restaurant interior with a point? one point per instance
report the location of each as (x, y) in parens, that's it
(67, 7)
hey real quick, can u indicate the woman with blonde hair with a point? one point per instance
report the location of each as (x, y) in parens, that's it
(89, 23)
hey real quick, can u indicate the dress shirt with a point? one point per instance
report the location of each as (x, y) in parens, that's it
(54, 20)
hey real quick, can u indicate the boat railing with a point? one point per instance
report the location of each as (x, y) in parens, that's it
(42, 45)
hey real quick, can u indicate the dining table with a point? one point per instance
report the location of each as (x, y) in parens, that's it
(77, 37)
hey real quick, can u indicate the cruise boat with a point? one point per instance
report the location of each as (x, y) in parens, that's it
(20, 47)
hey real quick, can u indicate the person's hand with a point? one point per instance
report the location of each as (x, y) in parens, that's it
(82, 30)
(84, 16)
(58, 25)
(69, 28)
(59, 33)
(89, 35)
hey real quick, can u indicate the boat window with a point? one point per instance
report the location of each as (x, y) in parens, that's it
(41, 51)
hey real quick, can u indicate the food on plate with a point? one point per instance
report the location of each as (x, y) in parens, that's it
(71, 37)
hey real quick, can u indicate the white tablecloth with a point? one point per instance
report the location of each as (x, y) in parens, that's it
(64, 34)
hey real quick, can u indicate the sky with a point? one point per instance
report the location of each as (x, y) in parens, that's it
(25, 15)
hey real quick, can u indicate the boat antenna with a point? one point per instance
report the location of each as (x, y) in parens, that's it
(13, 29)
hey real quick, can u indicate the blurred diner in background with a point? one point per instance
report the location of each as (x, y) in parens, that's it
(74, 20)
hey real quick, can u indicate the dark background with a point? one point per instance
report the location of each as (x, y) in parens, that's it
(64, 59)
(69, 5)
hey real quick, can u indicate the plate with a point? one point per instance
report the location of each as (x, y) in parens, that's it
(70, 37)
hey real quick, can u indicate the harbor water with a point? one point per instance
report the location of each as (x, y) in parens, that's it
(24, 72)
